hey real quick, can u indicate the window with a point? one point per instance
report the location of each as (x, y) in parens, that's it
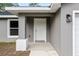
(13, 28)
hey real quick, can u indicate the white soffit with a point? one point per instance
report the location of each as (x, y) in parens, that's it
(15, 10)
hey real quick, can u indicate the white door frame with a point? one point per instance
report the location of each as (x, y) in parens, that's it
(73, 31)
(34, 29)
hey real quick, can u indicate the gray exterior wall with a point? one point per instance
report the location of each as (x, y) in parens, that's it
(48, 29)
(61, 31)
(21, 27)
(55, 31)
(66, 28)
(3, 31)
(29, 28)
(36, 14)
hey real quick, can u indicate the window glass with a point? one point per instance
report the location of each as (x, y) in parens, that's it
(13, 24)
(13, 28)
(13, 31)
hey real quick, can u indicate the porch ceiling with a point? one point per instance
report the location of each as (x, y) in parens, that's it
(15, 10)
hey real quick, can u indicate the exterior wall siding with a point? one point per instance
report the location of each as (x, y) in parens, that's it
(29, 28)
(21, 27)
(66, 28)
(61, 31)
(55, 32)
(3, 31)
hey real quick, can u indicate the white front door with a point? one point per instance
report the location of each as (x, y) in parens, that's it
(39, 29)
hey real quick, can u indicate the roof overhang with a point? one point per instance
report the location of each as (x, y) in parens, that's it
(15, 10)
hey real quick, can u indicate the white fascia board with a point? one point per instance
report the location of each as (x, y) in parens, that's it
(55, 6)
(26, 8)
(8, 16)
(16, 10)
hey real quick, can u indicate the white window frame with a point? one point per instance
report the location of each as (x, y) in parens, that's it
(8, 28)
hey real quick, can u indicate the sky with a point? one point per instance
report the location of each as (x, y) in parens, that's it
(41, 4)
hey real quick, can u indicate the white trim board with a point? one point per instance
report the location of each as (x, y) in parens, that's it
(73, 31)
(8, 16)
(8, 28)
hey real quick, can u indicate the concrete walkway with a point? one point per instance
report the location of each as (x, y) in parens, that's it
(42, 49)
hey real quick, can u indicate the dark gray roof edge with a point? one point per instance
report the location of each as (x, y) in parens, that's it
(5, 13)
